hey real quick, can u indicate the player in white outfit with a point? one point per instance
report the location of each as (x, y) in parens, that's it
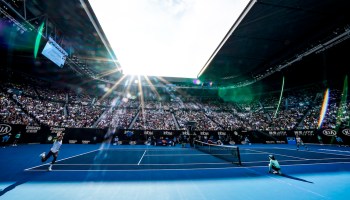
(53, 151)
(299, 142)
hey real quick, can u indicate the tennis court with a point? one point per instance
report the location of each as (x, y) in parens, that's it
(148, 172)
(176, 158)
(139, 159)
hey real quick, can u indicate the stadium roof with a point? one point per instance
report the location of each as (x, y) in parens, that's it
(269, 33)
(71, 23)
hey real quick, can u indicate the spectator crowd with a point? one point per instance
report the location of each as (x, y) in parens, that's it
(32, 104)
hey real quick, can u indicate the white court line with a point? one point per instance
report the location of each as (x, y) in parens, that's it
(132, 170)
(182, 155)
(189, 163)
(326, 158)
(123, 149)
(148, 149)
(266, 161)
(334, 150)
(298, 160)
(142, 157)
(218, 168)
(251, 153)
(63, 159)
(345, 156)
(285, 182)
(281, 155)
(100, 149)
(318, 152)
(145, 164)
(159, 155)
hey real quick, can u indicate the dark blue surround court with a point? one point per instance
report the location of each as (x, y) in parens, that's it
(147, 172)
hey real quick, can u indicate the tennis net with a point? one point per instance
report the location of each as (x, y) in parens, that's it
(228, 153)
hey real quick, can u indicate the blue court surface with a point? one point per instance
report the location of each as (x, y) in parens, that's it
(148, 172)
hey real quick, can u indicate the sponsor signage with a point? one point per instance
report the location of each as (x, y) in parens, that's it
(49, 138)
(221, 133)
(72, 141)
(204, 133)
(32, 129)
(278, 133)
(132, 142)
(346, 132)
(167, 133)
(185, 133)
(304, 133)
(329, 132)
(57, 129)
(148, 132)
(5, 129)
(129, 133)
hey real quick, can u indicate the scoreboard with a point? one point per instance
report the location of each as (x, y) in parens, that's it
(55, 53)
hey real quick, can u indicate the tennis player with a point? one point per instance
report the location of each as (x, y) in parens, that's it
(116, 140)
(219, 142)
(5, 139)
(246, 140)
(17, 137)
(299, 142)
(53, 151)
(339, 140)
(274, 166)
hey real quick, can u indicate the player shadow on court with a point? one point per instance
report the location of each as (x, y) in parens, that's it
(13, 186)
(23, 180)
(295, 178)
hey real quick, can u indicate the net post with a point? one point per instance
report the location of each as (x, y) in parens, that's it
(239, 157)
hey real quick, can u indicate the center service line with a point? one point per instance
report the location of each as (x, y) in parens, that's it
(142, 157)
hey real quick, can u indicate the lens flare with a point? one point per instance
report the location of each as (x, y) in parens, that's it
(141, 98)
(152, 87)
(324, 108)
(342, 105)
(37, 41)
(279, 102)
(113, 87)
